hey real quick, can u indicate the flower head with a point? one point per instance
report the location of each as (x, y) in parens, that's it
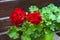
(34, 18)
(18, 16)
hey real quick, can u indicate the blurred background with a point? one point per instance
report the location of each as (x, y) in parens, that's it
(6, 6)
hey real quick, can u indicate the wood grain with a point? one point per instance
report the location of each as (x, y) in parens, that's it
(6, 8)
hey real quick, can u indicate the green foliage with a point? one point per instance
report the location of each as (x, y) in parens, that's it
(13, 32)
(52, 27)
(58, 19)
(44, 30)
(49, 36)
(33, 8)
(57, 26)
(25, 37)
(52, 7)
(50, 14)
(38, 35)
(30, 28)
(32, 32)
(51, 19)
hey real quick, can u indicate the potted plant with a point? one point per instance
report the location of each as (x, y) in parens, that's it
(37, 24)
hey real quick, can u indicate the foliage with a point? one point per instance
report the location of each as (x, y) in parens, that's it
(50, 22)
(13, 32)
(33, 8)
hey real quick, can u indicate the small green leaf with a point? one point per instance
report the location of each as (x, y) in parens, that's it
(13, 35)
(28, 31)
(48, 23)
(39, 27)
(12, 32)
(52, 27)
(52, 7)
(25, 37)
(57, 26)
(52, 16)
(36, 34)
(13, 29)
(33, 8)
(47, 31)
(22, 29)
(58, 19)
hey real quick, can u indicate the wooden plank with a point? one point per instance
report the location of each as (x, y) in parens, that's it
(7, 7)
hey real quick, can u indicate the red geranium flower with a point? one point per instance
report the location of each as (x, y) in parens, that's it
(34, 18)
(18, 16)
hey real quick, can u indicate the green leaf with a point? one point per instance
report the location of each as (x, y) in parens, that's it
(43, 10)
(52, 27)
(13, 35)
(12, 32)
(23, 29)
(57, 26)
(52, 16)
(33, 8)
(28, 32)
(25, 37)
(52, 7)
(32, 27)
(39, 27)
(13, 29)
(35, 34)
(48, 23)
(58, 19)
(28, 25)
(47, 31)
(27, 29)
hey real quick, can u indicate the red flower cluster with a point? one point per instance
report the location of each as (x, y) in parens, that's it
(18, 16)
(34, 17)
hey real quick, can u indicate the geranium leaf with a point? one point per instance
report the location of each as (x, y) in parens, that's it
(40, 27)
(52, 7)
(52, 27)
(58, 19)
(13, 35)
(57, 26)
(25, 37)
(33, 8)
(47, 31)
(12, 32)
(52, 16)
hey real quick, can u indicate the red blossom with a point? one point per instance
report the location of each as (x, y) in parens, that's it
(18, 16)
(34, 18)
